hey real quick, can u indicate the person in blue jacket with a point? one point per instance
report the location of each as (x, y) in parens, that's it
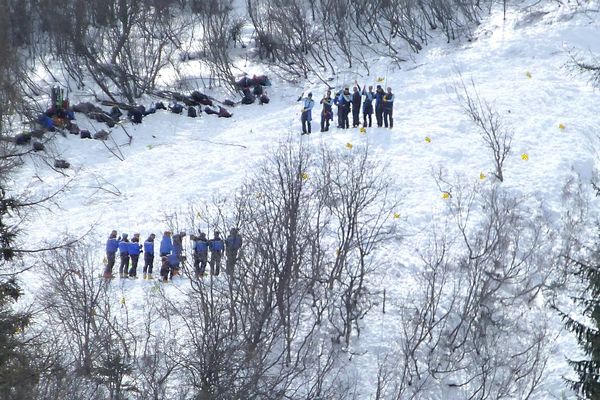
(166, 245)
(124, 254)
(216, 247)
(135, 248)
(149, 256)
(112, 245)
(306, 116)
(233, 243)
(379, 93)
(368, 106)
(388, 108)
(200, 254)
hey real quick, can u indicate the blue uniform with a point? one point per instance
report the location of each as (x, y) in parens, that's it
(134, 253)
(216, 246)
(134, 249)
(148, 256)
(149, 248)
(112, 245)
(124, 247)
(166, 245)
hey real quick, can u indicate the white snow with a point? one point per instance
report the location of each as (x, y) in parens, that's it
(175, 161)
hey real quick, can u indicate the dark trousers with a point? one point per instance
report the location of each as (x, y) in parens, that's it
(324, 122)
(110, 262)
(345, 122)
(231, 260)
(164, 271)
(134, 262)
(355, 116)
(368, 116)
(124, 266)
(387, 118)
(200, 263)
(148, 263)
(379, 116)
(215, 262)
(305, 123)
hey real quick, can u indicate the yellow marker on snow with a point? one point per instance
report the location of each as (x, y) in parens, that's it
(363, 130)
(524, 157)
(304, 176)
(482, 176)
(528, 74)
(445, 195)
(396, 215)
(427, 139)
(123, 300)
(149, 147)
(337, 252)
(349, 146)
(380, 79)
(561, 126)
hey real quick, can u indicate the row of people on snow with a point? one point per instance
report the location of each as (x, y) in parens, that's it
(347, 103)
(171, 253)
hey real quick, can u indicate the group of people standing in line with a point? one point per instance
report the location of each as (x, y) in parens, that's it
(171, 253)
(347, 102)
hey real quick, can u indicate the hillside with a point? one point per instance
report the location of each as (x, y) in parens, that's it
(177, 167)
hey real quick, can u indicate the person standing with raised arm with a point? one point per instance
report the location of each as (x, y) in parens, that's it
(306, 116)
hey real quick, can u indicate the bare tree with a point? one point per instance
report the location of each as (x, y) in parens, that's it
(121, 44)
(356, 192)
(496, 136)
(476, 325)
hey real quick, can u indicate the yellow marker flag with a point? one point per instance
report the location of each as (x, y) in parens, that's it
(427, 139)
(561, 126)
(123, 300)
(363, 130)
(524, 157)
(349, 146)
(396, 215)
(446, 195)
(304, 176)
(528, 74)
(337, 252)
(380, 79)
(482, 176)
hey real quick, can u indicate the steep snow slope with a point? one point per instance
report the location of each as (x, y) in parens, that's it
(517, 64)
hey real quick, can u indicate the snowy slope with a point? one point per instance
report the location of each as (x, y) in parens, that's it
(518, 65)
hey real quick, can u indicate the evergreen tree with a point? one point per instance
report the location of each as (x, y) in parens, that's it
(587, 329)
(18, 376)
